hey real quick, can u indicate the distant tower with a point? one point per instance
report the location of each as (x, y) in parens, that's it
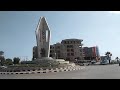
(43, 38)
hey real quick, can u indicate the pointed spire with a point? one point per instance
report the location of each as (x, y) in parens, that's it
(43, 37)
(43, 24)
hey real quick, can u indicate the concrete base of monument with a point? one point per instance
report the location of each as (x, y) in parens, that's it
(50, 59)
(62, 61)
(44, 58)
(53, 62)
(43, 65)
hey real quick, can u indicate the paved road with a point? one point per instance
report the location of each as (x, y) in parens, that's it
(89, 72)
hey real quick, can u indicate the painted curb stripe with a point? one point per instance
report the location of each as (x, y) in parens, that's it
(43, 70)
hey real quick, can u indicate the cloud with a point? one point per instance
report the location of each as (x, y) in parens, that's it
(114, 12)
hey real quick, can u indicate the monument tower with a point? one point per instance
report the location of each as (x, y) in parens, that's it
(42, 50)
(43, 39)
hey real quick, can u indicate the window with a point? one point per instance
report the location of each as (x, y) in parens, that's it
(66, 42)
(74, 42)
(50, 55)
(51, 51)
(80, 50)
(68, 54)
(77, 42)
(67, 58)
(68, 50)
(58, 47)
(69, 46)
(58, 51)
(72, 54)
(78, 58)
(50, 47)
(72, 50)
(58, 55)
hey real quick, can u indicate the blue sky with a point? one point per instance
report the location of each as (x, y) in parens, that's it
(101, 28)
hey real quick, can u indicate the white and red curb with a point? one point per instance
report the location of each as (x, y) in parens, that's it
(45, 71)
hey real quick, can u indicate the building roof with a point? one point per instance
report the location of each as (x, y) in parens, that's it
(72, 39)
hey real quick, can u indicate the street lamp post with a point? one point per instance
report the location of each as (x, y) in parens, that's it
(76, 60)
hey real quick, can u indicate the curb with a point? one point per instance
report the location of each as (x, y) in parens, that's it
(44, 71)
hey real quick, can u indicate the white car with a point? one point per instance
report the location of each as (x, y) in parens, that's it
(93, 62)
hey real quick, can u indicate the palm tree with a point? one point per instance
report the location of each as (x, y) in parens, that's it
(117, 59)
(16, 60)
(108, 54)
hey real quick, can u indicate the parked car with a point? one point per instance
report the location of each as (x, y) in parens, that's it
(93, 62)
(81, 64)
(104, 62)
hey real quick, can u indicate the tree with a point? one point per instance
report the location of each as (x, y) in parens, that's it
(1, 53)
(16, 60)
(8, 61)
(108, 54)
(2, 59)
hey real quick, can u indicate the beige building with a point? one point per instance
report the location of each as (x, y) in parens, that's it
(68, 49)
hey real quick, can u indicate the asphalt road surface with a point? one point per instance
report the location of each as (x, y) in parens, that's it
(89, 72)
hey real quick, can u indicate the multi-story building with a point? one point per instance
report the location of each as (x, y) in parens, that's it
(35, 56)
(73, 49)
(91, 53)
(68, 49)
(56, 50)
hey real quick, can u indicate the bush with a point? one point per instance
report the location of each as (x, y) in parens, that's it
(8, 62)
(16, 60)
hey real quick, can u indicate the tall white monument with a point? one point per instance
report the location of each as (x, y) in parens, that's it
(43, 44)
(43, 39)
